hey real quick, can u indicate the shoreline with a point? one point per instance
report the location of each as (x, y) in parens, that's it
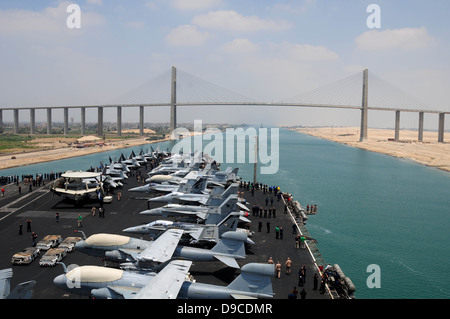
(58, 153)
(429, 152)
(48, 155)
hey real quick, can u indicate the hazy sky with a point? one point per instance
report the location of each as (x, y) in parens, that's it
(265, 49)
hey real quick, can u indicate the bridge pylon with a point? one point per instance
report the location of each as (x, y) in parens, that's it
(364, 106)
(173, 101)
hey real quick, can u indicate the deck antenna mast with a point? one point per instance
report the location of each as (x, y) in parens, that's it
(255, 165)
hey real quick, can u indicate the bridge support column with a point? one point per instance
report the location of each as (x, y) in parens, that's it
(420, 126)
(364, 108)
(173, 101)
(16, 121)
(441, 127)
(66, 121)
(100, 121)
(141, 120)
(119, 120)
(32, 121)
(49, 121)
(1, 120)
(397, 125)
(83, 121)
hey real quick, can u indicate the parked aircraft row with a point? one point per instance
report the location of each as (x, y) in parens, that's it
(80, 186)
(205, 198)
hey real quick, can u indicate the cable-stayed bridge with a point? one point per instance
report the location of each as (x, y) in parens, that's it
(177, 88)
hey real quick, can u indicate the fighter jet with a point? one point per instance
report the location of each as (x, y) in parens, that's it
(197, 186)
(194, 233)
(21, 291)
(117, 174)
(105, 179)
(217, 177)
(131, 162)
(170, 283)
(141, 159)
(117, 169)
(145, 254)
(161, 183)
(178, 165)
(208, 214)
(190, 197)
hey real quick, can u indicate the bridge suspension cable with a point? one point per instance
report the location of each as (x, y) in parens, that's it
(348, 92)
(383, 94)
(190, 90)
(344, 92)
(154, 91)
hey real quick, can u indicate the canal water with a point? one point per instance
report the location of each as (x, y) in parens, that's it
(384, 220)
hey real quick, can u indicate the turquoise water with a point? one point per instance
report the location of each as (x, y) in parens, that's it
(373, 209)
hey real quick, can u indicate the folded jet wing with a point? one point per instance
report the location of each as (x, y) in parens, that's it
(163, 247)
(167, 283)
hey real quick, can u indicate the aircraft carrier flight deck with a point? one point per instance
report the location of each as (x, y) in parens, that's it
(41, 207)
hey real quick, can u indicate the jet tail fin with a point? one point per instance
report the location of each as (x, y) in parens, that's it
(254, 278)
(23, 290)
(222, 194)
(229, 261)
(229, 223)
(232, 189)
(228, 205)
(201, 186)
(231, 243)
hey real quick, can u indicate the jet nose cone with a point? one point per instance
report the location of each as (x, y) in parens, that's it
(166, 198)
(249, 241)
(60, 281)
(138, 189)
(80, 245)
(135, 229)
(127, 230)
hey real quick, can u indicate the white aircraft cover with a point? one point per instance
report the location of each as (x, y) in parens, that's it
(160, 178)
(167, 283)
(107, 240)
(75, 192)
(162, 248)
(94, 274)
(80, 174)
